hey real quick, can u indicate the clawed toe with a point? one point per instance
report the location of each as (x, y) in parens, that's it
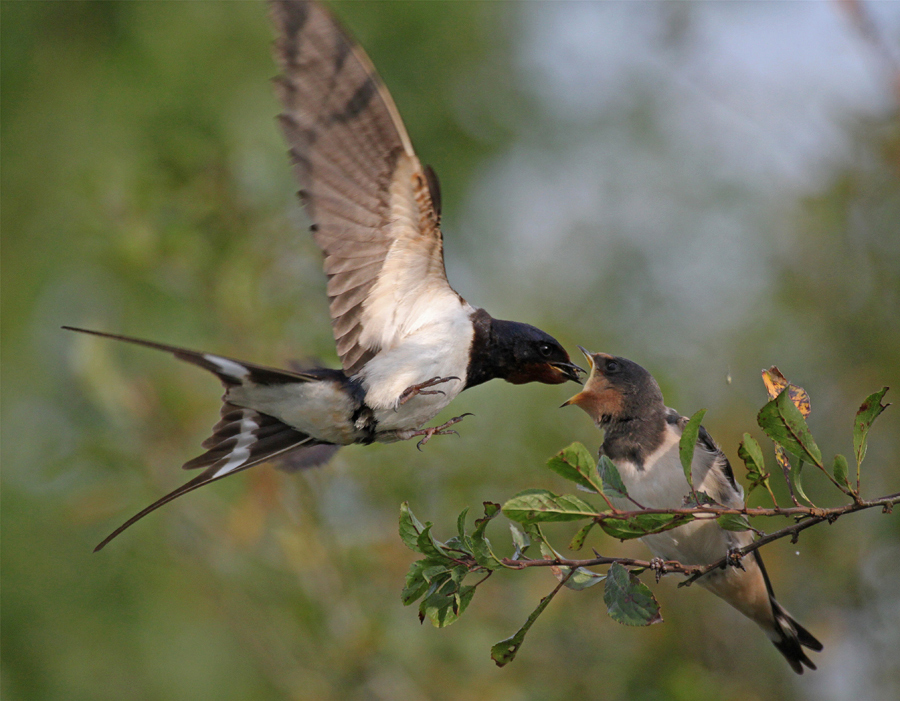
(734, 557)
(422, 388)
(658, 565)
(442, 430)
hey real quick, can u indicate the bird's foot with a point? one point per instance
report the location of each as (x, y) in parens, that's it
(422, 388)
(442, 430)
(733, 558)
(658, 566)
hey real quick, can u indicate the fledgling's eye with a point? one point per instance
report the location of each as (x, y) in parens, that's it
(545, 350)
(612, 366)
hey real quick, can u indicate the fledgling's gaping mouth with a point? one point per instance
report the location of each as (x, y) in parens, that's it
(588, 355)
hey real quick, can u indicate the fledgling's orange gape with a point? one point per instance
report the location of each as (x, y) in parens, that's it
(642, 439)
(408, 343)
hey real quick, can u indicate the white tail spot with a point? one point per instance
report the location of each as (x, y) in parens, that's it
(228, 367)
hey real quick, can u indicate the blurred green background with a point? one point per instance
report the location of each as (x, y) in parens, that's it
(706, 188)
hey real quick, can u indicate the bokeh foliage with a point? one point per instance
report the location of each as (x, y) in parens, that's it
(145, 191)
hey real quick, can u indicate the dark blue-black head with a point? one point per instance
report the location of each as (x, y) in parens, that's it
(517, 353)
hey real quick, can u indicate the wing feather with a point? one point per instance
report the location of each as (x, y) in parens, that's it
(371, 202)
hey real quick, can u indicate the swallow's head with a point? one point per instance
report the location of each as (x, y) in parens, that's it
(535, 356)
(616, 389)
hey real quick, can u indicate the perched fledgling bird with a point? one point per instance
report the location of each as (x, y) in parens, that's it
(642, 439)
(408, 343)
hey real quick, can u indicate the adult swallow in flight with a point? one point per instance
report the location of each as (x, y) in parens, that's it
(641, 437)
(408, 343)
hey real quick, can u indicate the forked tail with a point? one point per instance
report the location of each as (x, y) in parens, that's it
(243, 437)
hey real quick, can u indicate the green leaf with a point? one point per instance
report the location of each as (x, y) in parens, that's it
(581, 578)
(750, 452)
(733, 522)
(537, 505)
(699, 498)
(798, 485)
(841, 470)
(784, 424)
(447, 604)
(688, 443)
(505, 651)
(610, 478)
(416, 582)
(481, 546)
(428, 546)
(578, 539)
(461, 524)
(869, 411)
(410, 527)
(521, 541)
(628, 600)
(643, 524)
(575, 463)
(490, 509)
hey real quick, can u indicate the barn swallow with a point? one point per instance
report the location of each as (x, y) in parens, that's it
(641, 437)
(408, 343)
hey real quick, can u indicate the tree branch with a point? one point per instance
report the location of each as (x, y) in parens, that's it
(808, 516)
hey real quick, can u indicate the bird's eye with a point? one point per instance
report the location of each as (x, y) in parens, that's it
(612, 366)
(545, 350)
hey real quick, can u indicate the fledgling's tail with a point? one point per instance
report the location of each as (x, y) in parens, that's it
(793, 638)
(243, 437)
(788, 636)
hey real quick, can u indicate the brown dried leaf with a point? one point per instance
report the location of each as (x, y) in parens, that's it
(775, 382)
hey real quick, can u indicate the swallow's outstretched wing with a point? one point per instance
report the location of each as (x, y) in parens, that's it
(375, 209)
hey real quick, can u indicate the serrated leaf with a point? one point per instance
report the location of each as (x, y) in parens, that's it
(521, 541)
(505, 651)
(410, 527)
(628, 600)
(782, 421)
(577, 542)
(428, 545)
(869, 411)
(688, 443)
(643, 524)
(841, 470)
(575, 463)
(610, 478)
(733, 522)
(481, 546)
(539, 505)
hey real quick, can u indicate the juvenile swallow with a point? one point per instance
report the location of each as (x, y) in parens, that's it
(408, 343)
(641, 437)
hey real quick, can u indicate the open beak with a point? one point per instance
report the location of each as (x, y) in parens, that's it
(569, 371)
(577, 398)
(587, 354)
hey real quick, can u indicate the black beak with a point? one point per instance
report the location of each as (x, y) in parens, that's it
(570, 370)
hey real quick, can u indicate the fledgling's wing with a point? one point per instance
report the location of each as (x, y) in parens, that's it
(375, 210)
(711, 470)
